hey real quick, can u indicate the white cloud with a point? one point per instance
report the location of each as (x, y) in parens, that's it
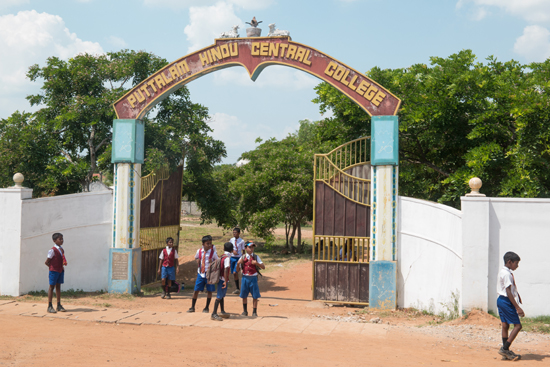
(534, 11)
(534, 44)
(184, 4)
(273, 76)
(117, 42)
(4, 4)
(29, 38)
(207, 23)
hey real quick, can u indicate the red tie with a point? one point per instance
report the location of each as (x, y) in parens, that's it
(203, 262)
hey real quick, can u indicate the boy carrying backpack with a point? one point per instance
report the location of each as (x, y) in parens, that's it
(250, 263)
(218, 273)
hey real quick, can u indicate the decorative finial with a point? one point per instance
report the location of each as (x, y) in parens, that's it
(475, 184)
(254, 23)
(253, 31)
(18, 179)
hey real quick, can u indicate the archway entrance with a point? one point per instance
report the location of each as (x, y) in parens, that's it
(255, 54)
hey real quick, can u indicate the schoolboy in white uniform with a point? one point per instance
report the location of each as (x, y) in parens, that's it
(238, 249)
(204, 257)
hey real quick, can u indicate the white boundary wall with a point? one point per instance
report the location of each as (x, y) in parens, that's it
(429, 255)
(494, 226)
(85, 220)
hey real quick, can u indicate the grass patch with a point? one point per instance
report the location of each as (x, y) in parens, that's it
(149, 290)
(539, 324)
(6, 297)
(69, 293)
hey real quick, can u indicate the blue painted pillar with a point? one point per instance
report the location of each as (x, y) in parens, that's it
(384, 176)
(125, 253)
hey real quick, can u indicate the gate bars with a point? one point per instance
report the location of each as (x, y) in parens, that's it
(341, 170)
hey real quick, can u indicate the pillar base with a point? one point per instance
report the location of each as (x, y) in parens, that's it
(383, 285)
(125, 270)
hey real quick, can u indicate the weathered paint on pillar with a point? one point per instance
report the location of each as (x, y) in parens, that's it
(126, 205)
(384, 174)
(125, 254)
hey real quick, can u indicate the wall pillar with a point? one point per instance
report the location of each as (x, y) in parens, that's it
(384, 175)
(125, 252)
(475, 253)
(11, 202)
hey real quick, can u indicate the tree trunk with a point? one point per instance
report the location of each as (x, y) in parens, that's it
(287, 232)
(299, 246)
(292, 238)
(90, 175)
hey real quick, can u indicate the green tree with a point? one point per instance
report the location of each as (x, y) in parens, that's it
(274, 187)
(73, 127)
(459, 119)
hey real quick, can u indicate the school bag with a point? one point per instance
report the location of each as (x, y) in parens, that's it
(257, 267)
(176, 287)
(214, 272)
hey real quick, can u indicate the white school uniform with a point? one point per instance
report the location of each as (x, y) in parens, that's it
(505, 280)
(226, 264)
(239, 247)
(207, 260)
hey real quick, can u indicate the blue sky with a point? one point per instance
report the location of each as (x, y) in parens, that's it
(360, 33)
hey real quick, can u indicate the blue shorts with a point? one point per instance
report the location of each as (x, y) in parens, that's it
(221, 291)
(201, 282)
(507, 311)
(234, 261)
(249, 284)
(168, 272)
(56, 278)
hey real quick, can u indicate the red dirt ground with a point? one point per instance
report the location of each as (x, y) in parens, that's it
(26, 341)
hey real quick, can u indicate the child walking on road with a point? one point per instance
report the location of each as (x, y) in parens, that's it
(507, 304)
(250, 263)
(168, 267)
(204, 257)
(56, 262)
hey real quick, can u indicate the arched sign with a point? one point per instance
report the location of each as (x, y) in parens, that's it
(254, 54)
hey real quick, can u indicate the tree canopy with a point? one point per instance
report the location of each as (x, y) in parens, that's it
(61, 146)
(460, 118)
(274, 186)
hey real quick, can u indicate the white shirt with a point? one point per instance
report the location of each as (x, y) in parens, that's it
(51, 253)
(168, 250)
(506, 279)
(226, 264)
(206, 260)
(247, 256)
(239, 247)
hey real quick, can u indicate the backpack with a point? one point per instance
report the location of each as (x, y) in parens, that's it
(176, 287)
(215, 270)
(257, 267)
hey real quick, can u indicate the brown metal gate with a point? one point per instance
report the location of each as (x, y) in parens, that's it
(159, 218)
(341, 224)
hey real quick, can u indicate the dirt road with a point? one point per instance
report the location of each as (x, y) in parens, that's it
(46, 341)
